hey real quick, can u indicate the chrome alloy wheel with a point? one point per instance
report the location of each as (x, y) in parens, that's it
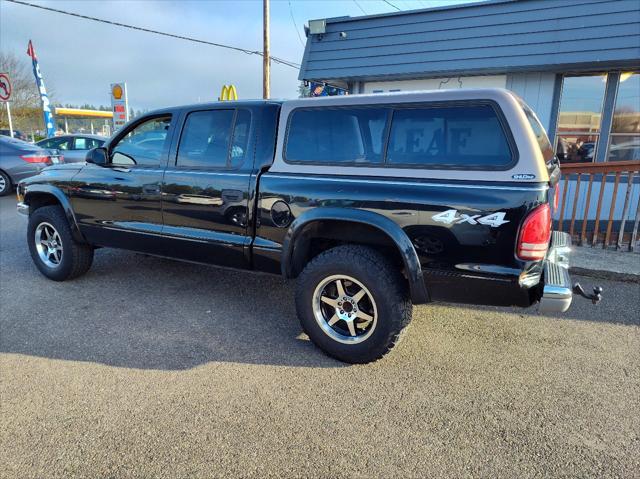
(345, 309)
(48, 245)
(3, 184)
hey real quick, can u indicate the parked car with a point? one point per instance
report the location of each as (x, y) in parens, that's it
(19, 159)
(74, 147)
(17, 134)
(373, 202)
(625, 151)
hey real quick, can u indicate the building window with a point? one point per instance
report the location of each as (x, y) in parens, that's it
(579, 118)
(625, 129)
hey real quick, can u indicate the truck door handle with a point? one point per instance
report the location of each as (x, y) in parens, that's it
(231, 195)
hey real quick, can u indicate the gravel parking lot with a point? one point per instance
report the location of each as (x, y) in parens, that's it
(151, 368)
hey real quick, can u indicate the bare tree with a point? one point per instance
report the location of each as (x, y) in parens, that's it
(25, 99)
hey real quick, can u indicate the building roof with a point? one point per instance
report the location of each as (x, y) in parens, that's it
(496, 36)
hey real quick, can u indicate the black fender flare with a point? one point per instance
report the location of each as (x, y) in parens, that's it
(58, 194)
(418, 289)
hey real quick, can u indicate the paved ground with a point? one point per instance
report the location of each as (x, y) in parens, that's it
(152, 368)
(623, 265)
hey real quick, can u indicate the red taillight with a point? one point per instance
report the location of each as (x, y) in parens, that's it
(35, 158)
(556, 198)
(535, 234)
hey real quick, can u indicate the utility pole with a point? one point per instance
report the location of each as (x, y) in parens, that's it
(266, 59)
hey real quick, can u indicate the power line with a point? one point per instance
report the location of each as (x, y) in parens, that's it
(157, 32)
(385, 1)
(361, 9)
(294, 23)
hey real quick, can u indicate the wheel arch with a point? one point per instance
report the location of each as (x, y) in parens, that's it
(301, 230)
(37, 196)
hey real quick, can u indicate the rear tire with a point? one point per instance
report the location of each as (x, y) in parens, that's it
(53, 250)
(5, 184)
(353, 303)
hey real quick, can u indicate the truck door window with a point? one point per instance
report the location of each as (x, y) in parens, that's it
(450, 137)
(143, 145)
(205, 139)
(240, 140)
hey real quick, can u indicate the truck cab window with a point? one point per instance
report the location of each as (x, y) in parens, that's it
(205, 139)
(240, 140)
(143, 145)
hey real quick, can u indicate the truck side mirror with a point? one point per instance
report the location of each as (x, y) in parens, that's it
(97, 156)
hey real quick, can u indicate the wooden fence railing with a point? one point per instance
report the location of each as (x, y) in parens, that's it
(610, 225)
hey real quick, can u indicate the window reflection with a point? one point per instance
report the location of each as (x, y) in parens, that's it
(625, 130)
(624, 148)
(626, 116)
(579, 117)
(576, 148)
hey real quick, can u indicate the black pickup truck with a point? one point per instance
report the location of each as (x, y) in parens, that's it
(373, 202)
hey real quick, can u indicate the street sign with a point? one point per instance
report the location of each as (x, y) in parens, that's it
(5, 95)
(119, 104)
(5, 87)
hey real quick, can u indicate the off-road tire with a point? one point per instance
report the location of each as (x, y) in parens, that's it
(6, 181)
(385, 283)
(76, 257)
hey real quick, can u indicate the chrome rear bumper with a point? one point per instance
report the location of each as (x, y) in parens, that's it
(557, 291)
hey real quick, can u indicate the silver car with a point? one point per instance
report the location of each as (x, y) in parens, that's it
(73, 147)
(19, 159)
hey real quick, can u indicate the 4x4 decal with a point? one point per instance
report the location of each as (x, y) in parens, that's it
(451, 217)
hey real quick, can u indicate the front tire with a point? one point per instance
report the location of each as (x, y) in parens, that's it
(53, 250)
(353, 303)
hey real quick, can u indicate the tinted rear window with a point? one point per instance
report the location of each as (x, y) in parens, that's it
(458, 136)
(461, 136)
(337, 136)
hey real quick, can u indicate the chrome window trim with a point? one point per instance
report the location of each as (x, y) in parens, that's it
(520, 187)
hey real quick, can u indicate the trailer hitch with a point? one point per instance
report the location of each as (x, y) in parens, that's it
(595, 297)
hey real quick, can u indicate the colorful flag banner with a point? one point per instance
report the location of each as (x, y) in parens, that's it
(46, 110)
(324, 89)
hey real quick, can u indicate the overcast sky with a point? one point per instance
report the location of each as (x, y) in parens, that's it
(80, 58)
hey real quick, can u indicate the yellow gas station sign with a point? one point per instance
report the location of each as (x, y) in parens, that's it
(117, 92)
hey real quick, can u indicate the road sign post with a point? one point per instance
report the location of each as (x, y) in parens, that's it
(9, 116)
(5, 96)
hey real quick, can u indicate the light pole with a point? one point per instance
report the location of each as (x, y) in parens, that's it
(266, 60)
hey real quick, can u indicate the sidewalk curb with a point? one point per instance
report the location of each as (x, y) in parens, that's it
(609, 275)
